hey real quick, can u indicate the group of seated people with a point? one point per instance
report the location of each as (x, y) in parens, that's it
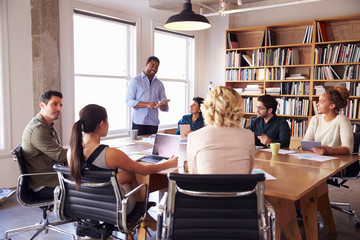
(217, 144)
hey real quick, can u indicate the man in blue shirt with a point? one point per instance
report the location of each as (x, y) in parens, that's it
(143, 94)
(267, 126)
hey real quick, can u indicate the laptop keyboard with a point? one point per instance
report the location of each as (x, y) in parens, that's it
(152, 159)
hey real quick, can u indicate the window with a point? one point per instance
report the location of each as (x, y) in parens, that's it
(176, 54)
(104, 59)
(4, 100)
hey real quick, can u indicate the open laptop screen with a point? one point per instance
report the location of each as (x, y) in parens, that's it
(166, 145)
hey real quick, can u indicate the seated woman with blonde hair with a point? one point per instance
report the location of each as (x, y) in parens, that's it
(222, 146)
(332, 129)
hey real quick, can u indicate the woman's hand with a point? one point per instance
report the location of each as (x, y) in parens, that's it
(172, 162)
(324, 150)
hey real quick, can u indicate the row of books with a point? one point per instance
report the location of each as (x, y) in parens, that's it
(352, 110)
(353, 87)
(249, 104)
(295, 88)
(329, 73)
(292, 106)
(322, 35)
(341, 53)
(282, 56)
(235, 59)
(298, 127)
(245, 74)
(308, 34)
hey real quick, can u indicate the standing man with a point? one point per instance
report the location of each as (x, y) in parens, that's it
(41, 144)
(143, 94)
(267, 127)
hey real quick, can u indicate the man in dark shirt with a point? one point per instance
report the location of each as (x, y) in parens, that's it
(268, 127)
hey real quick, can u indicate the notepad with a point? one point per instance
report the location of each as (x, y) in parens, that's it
(184, 128)
(308, 145)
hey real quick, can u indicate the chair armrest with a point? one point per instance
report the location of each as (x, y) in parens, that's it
(132, 192)
(271, 219)
(161, 216)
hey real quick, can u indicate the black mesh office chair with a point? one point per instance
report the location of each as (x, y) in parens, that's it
(98, 200)
(28, 198)
(215, 207)
(352, 172)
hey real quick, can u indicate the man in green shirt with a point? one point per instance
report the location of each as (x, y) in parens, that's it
(41, 144)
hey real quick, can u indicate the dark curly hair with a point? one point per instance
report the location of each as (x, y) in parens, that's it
(338, 96)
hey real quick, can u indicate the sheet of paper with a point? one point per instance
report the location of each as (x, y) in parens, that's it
(267, 176)
(281, 151)
(162, 102)
(136, 156)
(150, 139)
(169, 170)
(313, 157)
(116, 143)
(184, 128)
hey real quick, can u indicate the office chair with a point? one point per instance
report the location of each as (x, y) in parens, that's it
(98, 201)
(27, 197)
(352, 172)
(213, 207)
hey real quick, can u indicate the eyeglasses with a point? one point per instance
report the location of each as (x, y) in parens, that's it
(260, 108)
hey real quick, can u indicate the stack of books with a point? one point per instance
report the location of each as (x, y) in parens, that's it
(319, 90)
(296, 76)
(273, 90)
(252, 89)
(5, 193)
(308, 34)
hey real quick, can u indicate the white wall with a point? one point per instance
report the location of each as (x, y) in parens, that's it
(20, 79)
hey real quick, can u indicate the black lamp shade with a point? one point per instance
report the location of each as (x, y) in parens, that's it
(187, 20)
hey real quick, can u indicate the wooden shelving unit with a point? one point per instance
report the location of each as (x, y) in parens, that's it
(262, 43)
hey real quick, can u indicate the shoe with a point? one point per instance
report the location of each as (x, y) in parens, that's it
(92, 229)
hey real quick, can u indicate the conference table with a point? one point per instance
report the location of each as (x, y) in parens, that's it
(299, 184)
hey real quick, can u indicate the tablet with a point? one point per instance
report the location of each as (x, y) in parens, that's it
(308, 145)
(162, 102)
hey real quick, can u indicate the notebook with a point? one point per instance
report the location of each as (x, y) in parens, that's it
(308, 145)
(165, 145)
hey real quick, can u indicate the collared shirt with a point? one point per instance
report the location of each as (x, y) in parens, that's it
(277, 129)
(42, 149)
(187, 119)
(141, 90)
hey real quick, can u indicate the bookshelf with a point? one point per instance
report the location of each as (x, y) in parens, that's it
(292, 62)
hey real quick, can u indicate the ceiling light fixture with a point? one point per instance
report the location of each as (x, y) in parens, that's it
(187, 20)
(222, 8)
(239, 2)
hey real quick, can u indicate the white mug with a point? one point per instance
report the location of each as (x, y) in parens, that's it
(133, 133)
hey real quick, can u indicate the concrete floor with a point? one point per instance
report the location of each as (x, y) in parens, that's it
(12, 215)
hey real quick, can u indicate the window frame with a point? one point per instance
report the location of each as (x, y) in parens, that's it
(190, 70)
(132, 59)
(4, 82)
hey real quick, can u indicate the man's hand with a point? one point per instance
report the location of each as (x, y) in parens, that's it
(163, 107)
(151, 104)
(264, 139)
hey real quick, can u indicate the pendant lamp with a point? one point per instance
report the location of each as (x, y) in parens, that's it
(187, 20)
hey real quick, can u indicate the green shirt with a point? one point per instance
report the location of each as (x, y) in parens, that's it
(42, 149)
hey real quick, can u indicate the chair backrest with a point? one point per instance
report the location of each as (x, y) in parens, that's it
(356, 143)
(98, 198)
(24, 193)
(216, 206)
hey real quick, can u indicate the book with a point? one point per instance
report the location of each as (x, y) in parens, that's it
(271, 38)
(232, 40)
(248, 59)
(184, 129)
(5, 193)
(323, 32)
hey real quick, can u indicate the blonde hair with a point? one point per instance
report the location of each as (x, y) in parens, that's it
(222, 107)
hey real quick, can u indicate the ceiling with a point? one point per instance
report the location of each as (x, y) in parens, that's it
(211, 7)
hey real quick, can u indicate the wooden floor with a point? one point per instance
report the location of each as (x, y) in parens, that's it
(12, 215)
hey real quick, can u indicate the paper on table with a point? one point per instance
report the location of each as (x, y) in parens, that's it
(168, 170)
(136, 156)
(267, 176)
(281, 151)
(184, 128)
(313, 157)
(162, 102)
(116, 143)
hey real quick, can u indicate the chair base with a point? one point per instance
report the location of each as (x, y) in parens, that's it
(44, 227)
(349, 211)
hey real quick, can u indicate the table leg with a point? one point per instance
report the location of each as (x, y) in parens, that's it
(308, 205)
(285, 218)
(325, 208)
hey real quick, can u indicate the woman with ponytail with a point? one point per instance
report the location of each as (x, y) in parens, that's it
(86, 152)
(332, 129)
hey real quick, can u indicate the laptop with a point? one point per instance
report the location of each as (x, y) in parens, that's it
(308, 145)
(165, 145)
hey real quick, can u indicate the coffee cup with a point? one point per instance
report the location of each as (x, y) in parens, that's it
(274, 148)
(133, 133)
